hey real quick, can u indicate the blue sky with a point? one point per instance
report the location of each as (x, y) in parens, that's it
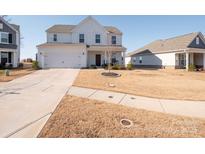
(137, 30)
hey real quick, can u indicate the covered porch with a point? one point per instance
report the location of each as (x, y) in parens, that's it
(8, 59)
(103, 55)
(190, 58)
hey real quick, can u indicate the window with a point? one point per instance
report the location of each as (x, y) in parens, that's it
(140, 60)
(55, 37)
(81, 38)
(197, 40)
(134, 59)
(10, 38)
(1, 26)
(97, 38)
(4, 38)
(113, 39)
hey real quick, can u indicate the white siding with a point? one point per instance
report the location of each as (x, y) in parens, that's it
(165, 59)
(118, 39)
(92, 55)
(127, 60)
(204, 61)
(61, 37)
(62, 56)
(90, 29)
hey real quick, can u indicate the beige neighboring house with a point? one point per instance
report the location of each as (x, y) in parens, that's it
(177, 52)
(85, 44)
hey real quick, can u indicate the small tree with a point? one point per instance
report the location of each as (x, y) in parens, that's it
(109, 53)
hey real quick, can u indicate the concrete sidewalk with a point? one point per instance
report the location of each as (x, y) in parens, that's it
(178, 107)
(26, 103)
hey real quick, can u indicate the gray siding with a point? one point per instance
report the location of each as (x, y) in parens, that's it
(6, 28)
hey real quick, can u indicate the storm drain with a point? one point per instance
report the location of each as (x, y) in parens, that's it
(13, 93)
(133, 98)
(126, 123)
(110, 96)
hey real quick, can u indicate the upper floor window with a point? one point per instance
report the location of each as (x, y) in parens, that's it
(10, 38)
(4, 37)
(55, 37)
(113, 39)
(81, 38)
(97, 38)
(197, 40)
(1, 26)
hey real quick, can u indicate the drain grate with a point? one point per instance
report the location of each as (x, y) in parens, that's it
(126, 123)
(110, 96)
(13, 93)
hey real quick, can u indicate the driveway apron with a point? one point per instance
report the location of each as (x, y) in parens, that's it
(27, 102)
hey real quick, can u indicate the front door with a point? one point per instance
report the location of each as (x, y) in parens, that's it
(4, 58)
(98, 60)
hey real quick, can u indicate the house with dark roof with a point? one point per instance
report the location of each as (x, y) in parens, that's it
(9, 44)
(177, 52)
(86, 44)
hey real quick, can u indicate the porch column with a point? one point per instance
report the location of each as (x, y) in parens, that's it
(105, 57)
(191, 58)
(42, 61)
(187, 61)
(204, 61)
(15, 59)
(123, 55)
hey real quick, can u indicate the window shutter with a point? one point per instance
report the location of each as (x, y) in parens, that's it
(10, 38)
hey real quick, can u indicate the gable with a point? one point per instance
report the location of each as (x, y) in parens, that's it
(8, 29)
(201, 44)
(89, 25)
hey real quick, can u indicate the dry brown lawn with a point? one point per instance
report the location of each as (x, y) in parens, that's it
(15, 73)
(168, 84)
(80, 117)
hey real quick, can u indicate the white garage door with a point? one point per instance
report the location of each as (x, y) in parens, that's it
(64, 57)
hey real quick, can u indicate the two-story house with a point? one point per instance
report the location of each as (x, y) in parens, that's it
(83, 45)
(9, 44)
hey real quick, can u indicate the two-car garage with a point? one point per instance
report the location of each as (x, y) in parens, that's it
(62, 55)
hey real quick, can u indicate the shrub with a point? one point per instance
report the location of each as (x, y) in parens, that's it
(116, 67)
(129, 66)
(7, 72)
(8, 66)
(104, 66)
(20, 65)
(123, 68)
(192, 67)
(93, 66)
(35, 65)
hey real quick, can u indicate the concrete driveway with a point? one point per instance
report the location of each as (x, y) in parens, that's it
(27, 102)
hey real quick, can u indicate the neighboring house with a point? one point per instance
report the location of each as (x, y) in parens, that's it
(83, 45)
(9, 44)
(177, 52)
